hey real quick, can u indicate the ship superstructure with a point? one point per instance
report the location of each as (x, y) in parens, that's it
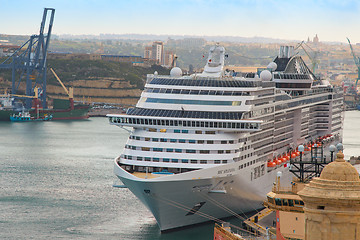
(208, 145)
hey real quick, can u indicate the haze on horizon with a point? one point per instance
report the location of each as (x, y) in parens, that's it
(332, 20)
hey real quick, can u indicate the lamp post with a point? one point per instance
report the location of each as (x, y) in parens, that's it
(322, 152)
(332, 149)
(339, 147)
(301, 150)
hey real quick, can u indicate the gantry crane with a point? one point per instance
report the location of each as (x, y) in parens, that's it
(357, 63)
(29, 65)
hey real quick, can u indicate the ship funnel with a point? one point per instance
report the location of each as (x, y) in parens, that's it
(286, 51)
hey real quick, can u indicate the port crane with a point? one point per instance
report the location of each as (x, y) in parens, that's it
(357, 63)
(69, 92)
(28, 63)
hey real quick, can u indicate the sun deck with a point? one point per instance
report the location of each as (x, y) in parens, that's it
(145, 175)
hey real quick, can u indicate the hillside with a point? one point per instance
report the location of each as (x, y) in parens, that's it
(99, 81)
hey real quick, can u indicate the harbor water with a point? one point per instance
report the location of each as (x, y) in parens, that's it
(56, 183)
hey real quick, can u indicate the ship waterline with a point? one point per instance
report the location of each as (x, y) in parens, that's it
(195, 197)
(209, 145)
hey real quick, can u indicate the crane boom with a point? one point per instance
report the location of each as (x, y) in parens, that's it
(356, 59)
(357, 63)
(61, 83)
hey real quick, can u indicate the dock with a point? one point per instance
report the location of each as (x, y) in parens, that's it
(262, 223)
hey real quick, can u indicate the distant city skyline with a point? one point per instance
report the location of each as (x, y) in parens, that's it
(332, 20)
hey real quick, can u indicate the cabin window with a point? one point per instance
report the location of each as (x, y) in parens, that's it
(291, 202)
(270, 200)
(278, 201)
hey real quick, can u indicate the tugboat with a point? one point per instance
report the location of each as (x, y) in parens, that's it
(26, 117)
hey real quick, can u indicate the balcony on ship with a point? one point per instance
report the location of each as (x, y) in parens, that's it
(244, 125)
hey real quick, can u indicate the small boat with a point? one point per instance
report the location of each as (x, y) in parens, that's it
(26, 117)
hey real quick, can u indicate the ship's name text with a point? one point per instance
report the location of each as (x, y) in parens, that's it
(226, 171)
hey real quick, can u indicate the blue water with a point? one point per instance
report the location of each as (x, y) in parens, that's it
(56, 183)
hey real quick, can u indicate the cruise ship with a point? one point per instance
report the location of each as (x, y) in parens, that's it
(209, 145)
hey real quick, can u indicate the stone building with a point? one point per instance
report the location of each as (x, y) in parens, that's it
(332, 203)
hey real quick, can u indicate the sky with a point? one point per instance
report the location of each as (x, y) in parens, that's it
(332, 20)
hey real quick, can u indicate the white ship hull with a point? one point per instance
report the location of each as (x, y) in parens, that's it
(171, 198)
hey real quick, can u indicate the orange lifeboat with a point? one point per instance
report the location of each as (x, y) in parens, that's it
(271, 164)
(279, 161)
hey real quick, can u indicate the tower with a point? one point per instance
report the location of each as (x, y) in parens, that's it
(332, 203)
(158, 51)
(316, 39)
